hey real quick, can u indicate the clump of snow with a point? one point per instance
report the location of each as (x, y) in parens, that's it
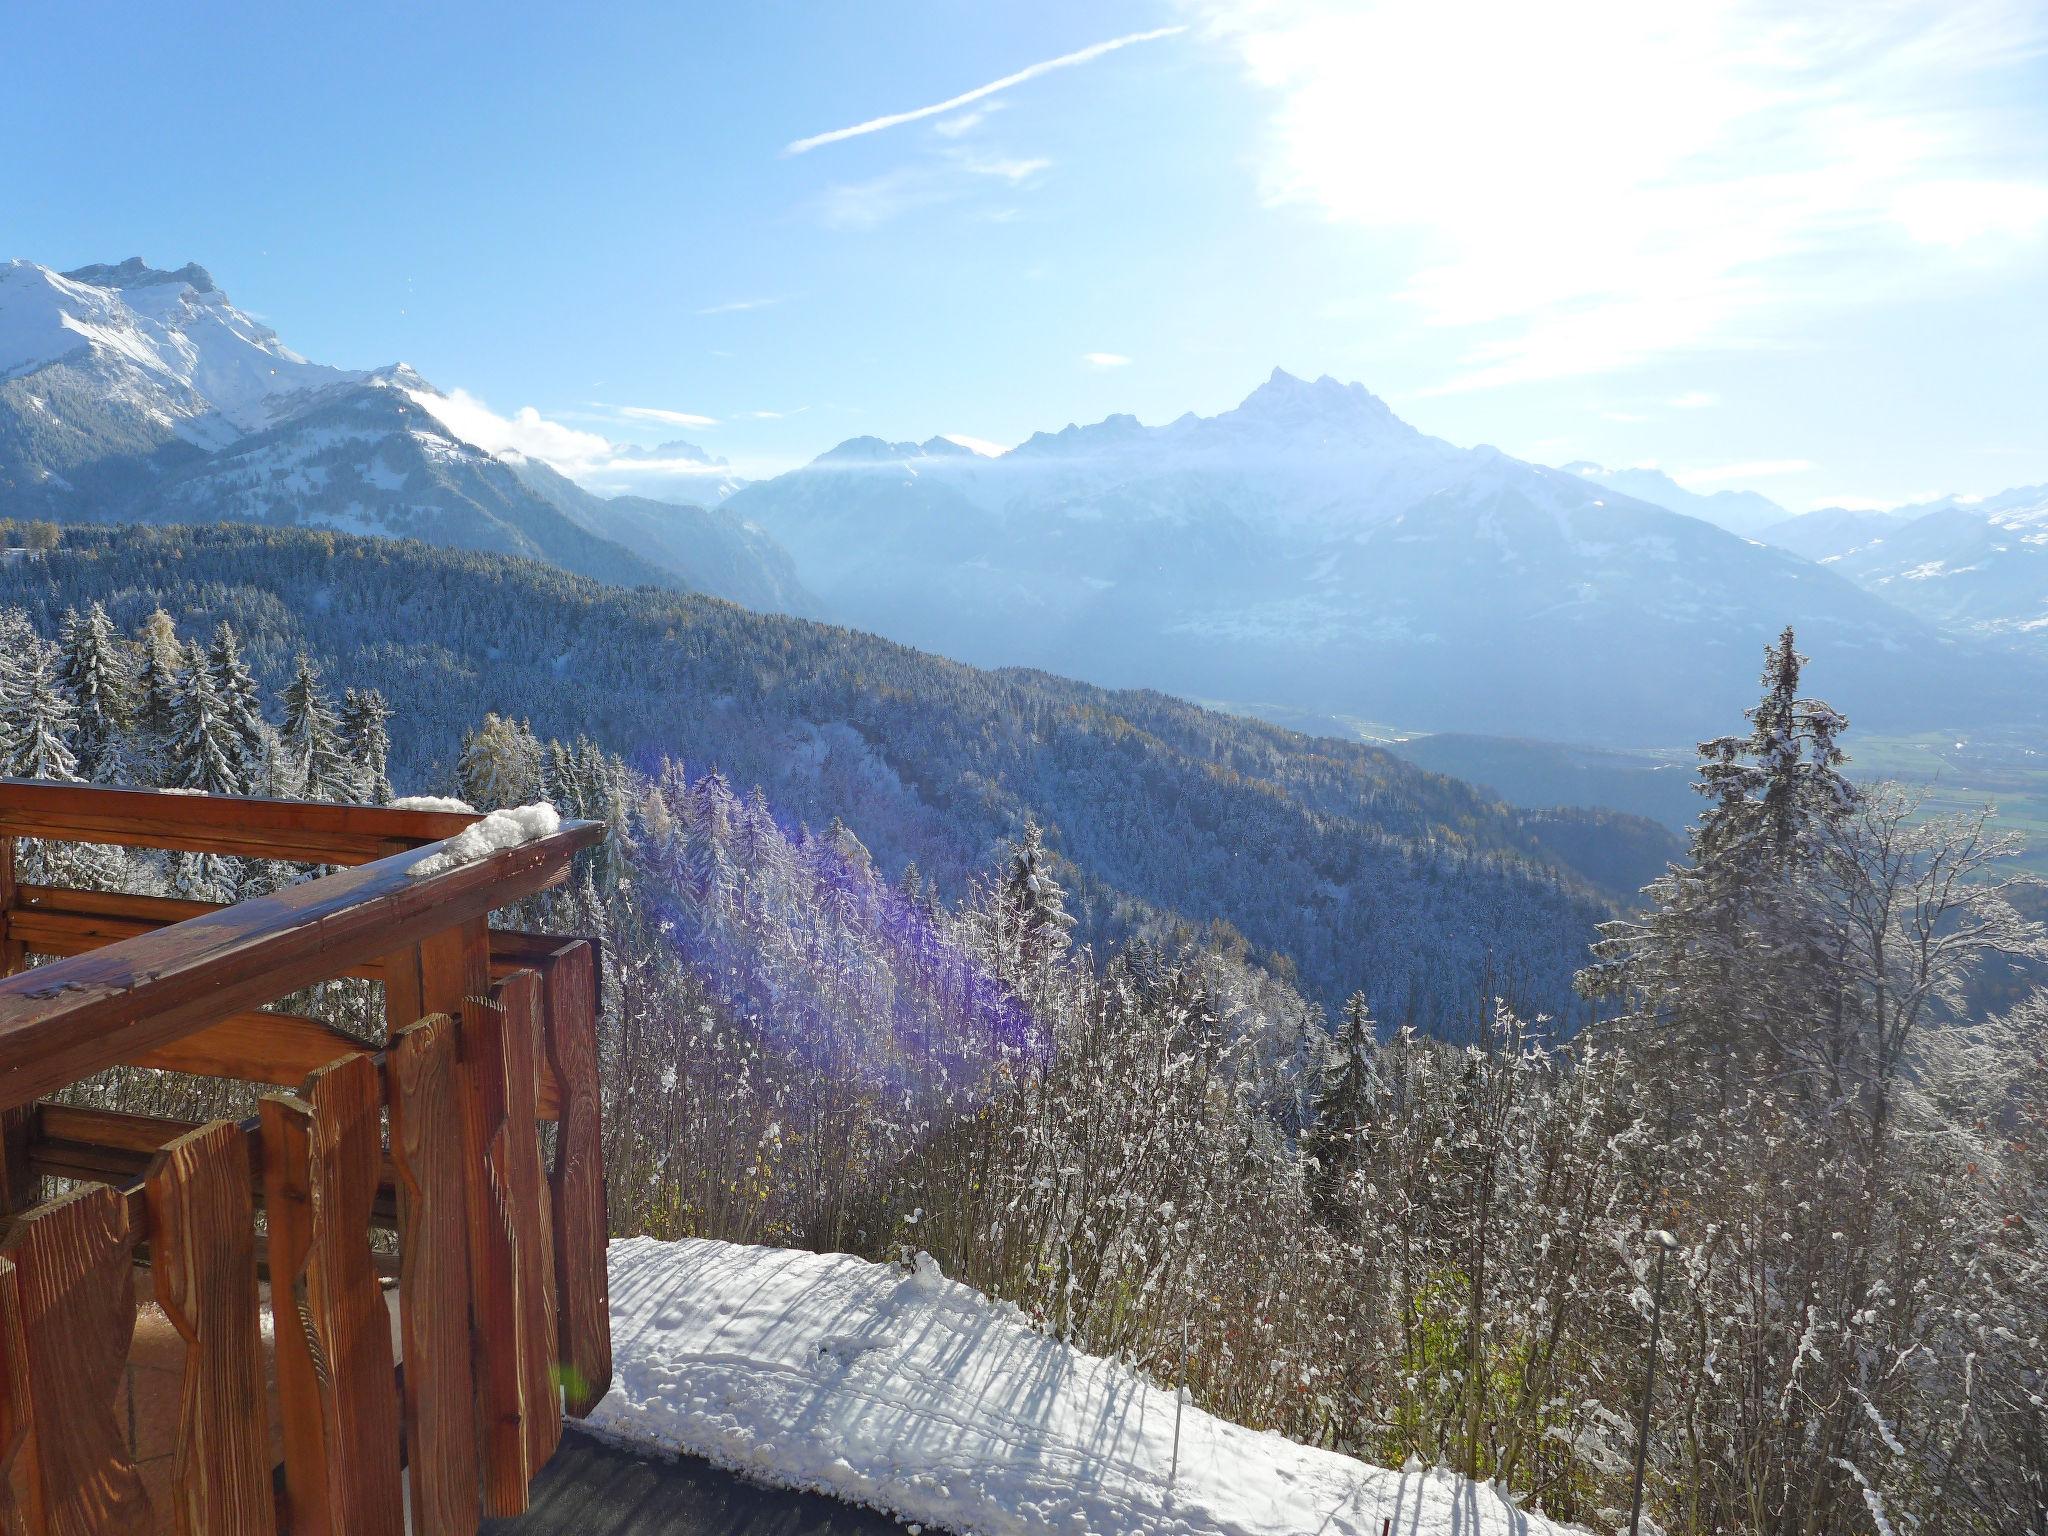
(918, 1396)
(500, 829)
(432, 803)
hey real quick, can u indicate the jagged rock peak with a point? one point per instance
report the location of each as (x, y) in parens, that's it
(136, 273)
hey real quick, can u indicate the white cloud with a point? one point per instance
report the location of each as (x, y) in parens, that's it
(1587, 185)
(980, 445)
(1105, 360)
(1012, 168)
(737, 306)
(587, 457)
(872, 203)
(953, 104)
(1695, 400)
(965, 122)
(1755, 469)
(525, 431)
(656, 413)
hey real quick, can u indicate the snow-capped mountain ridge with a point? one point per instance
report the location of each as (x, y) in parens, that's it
(170, 341)
(1309, 549)
(132, 393)
(1973, 563)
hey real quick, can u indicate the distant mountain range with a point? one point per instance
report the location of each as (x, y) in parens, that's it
(130, 394)
(1976, 564)
(1748, 513)
(1309, 550)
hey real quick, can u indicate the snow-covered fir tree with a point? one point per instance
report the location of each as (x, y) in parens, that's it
(309, 740)
(207, 747)
(366, 744)
(95, 670)
(241, 703)
(501, 765)
(38, 718)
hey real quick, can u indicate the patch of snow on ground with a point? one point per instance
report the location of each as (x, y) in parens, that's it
(918, 1396)
(500, 829)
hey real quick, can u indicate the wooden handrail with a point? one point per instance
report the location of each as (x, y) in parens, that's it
(297, 831)
(70, 1018)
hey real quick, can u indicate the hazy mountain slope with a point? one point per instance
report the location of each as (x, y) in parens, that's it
(1368, 871)
(1829, 533)
(1311, 551)
(1747, 513)
(712, 549)
(133, 394)
(1975, 565)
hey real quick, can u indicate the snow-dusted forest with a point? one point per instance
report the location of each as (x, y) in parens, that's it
(1354, 1233)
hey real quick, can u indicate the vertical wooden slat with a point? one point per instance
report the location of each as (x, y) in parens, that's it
(519, 995)
(19, 1188)
(14, 1401)
(424, 1094)
(493, 1263)
(202, 1238)
(569, 1032)
(74, 1261)
(335, 1377)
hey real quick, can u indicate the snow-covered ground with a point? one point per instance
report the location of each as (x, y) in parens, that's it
(918, 1396)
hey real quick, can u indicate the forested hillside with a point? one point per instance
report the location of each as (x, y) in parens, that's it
(1364, 871)
(1419, 1251)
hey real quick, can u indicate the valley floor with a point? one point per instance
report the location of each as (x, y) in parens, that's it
(912, 1394)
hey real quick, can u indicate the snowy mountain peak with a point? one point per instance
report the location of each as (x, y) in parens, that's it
(136, 273)
(169, 345)
(1287, 401)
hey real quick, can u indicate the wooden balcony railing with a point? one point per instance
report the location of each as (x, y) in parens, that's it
(432, 1133)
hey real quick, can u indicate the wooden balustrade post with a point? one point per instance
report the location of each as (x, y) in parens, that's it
(19, 1188)
(74, 1272)
(336, 1383)
(202, 1238)
(569, 1034)
(424, 1093)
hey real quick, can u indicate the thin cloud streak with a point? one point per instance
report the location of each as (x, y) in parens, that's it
(656, 413)
(953, 104)
(737, 306)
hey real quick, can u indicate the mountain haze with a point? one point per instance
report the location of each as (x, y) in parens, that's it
(1310, 551)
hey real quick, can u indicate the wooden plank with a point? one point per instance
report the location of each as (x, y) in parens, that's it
(74, 1259)
(296, 830)
(202, 1242)
(496, 1318)
(60, 921)
(582, 1291)
(14, 1388)
(335, 1374)
(534, 1247)
(283, 1049)
(72, 1142)
(424, 1094)
(60, 932)
(71, 1018)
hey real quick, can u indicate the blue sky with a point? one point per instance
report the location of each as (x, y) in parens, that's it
(1803, 249)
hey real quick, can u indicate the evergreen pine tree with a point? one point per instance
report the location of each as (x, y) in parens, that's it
(366, 743)
(157, 692)
(205, 748)
(1345, 1102)
(500, 765)
(39, 719)
(311, 740)
(241, 702)
(1034, 903)
(94, 668)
